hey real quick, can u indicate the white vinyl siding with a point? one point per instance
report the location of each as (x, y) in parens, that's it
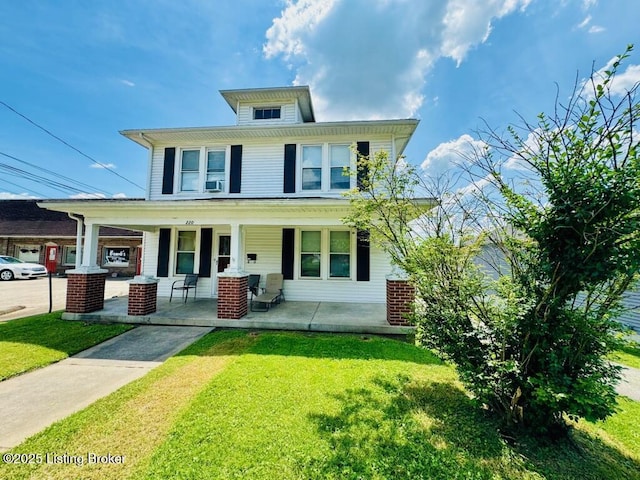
(262, 167)
(266, 243)
(287, 114)
(150, 265)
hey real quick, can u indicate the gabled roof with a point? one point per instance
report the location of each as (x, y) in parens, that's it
(275, 94)
(23, 218)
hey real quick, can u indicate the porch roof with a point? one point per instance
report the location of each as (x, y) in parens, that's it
(147, 215)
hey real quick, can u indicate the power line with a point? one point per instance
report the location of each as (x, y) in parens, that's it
(21, 187)
(18, 172)
(55, 174)
(106, 167)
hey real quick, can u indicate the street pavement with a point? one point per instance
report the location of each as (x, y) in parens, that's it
(22, 298)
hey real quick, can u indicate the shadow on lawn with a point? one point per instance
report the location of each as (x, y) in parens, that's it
(403, 429)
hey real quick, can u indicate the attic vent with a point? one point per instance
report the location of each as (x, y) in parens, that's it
(266, 113)
(214, 186)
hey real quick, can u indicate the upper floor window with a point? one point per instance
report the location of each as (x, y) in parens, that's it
(340, 160)
(202, 169)
(214, 180)
(266, 113)
(326, 167)
(189, 170)
(311, 167)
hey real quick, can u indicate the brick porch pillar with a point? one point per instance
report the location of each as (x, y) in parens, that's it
(85, 289)
(232, 295)
(400, 295)
(143, 295)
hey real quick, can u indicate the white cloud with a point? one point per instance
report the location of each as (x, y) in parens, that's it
(596, 29)
(475, 186)
(15, 196)
(85, 196)
(469, 23)
(128, 83)
(529, 148)
(586, 4)
(449, 154)
(119, 195)
(585, 22)
(103, 165)
(368, 59)
(623, 81)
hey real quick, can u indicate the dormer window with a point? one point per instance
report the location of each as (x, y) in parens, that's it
(267, 113)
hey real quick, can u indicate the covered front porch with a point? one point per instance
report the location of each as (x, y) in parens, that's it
(370, 318)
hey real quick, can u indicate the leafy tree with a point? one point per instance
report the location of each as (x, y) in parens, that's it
(531, 341)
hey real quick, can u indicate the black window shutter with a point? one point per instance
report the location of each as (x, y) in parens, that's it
(288, 252)
(235, 172)
(169, 168)
(290, 168)
(206, 240)
(164, 244)
(363, 258)
(363, 171)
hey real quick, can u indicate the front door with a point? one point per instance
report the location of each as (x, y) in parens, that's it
(223, 256)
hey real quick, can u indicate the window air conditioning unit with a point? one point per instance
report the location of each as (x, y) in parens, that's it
(214, 186)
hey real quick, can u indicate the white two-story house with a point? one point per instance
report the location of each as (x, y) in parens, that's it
(264, 195)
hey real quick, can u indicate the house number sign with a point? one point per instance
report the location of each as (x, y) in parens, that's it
(190, 222)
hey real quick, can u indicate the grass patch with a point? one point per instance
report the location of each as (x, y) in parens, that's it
(311, 406)
(629, 356)
(33, 342)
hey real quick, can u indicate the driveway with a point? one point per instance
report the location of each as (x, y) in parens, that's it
(33, 401)
(22, 298)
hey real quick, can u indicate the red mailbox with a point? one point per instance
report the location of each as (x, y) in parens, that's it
(51, 258)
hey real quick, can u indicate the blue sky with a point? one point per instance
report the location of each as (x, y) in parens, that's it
(85, 70)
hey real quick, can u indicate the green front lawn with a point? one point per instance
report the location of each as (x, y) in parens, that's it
(629, 356)
(32, 342)
(239, 405)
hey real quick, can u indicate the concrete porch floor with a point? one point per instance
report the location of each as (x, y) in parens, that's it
(289, 315)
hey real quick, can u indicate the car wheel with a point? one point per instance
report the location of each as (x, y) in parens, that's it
(6, 275)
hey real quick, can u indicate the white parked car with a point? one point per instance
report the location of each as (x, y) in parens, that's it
(11, 267)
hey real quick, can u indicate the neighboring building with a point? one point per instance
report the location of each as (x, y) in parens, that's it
(264, 195)
(27, 230)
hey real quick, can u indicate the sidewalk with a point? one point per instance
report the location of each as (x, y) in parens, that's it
(629, 386)
(33, 401)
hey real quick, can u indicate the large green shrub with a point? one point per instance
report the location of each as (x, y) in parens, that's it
(530, 342)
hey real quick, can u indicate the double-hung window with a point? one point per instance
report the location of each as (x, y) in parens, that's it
(186, 251)
(311, 167)
(214, 180)
(339, 254)
(325, 254)
(310, 253)
(189, 170)
(325, 167)
(340, 160)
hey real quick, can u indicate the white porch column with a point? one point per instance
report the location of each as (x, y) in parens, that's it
(79, 232)
(236, 262)
(90, 250)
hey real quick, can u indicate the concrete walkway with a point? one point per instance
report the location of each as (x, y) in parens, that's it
(629, 386)
(33, 401)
